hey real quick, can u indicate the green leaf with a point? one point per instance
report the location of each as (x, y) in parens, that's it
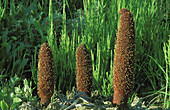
(4, 38)
(22, 64)
(26, 87)
(25, 82)
(13, 106)
(12, 94)
(8, 48)
(14, 38)
(38, 27)
(3, 76)
(16, 100)
(4, 105)
(1, 96)
(18, 90)
(29, 9)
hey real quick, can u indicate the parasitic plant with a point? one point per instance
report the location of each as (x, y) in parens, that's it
(84, 70)
(45, 74)
(123, 66)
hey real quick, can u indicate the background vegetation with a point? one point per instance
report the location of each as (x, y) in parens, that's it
(25, 25)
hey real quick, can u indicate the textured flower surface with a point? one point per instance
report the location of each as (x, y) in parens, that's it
(84, 70)
(123, 66)
(45, 74)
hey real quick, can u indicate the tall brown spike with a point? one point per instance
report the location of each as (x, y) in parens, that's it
(84, 70)
(45, 74)
(123, 66)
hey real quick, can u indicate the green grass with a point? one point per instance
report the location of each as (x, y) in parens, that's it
(26, 25)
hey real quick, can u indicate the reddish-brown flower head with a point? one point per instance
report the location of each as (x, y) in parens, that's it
(84, 70)
(45, 74)
(123, 66)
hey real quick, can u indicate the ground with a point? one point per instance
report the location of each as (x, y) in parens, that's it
(79, 101)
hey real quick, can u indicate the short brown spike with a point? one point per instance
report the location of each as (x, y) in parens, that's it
(45, 74)
(84, 70)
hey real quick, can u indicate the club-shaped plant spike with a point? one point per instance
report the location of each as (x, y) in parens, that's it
(45, 74)
(84, 73)
(123, 66)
